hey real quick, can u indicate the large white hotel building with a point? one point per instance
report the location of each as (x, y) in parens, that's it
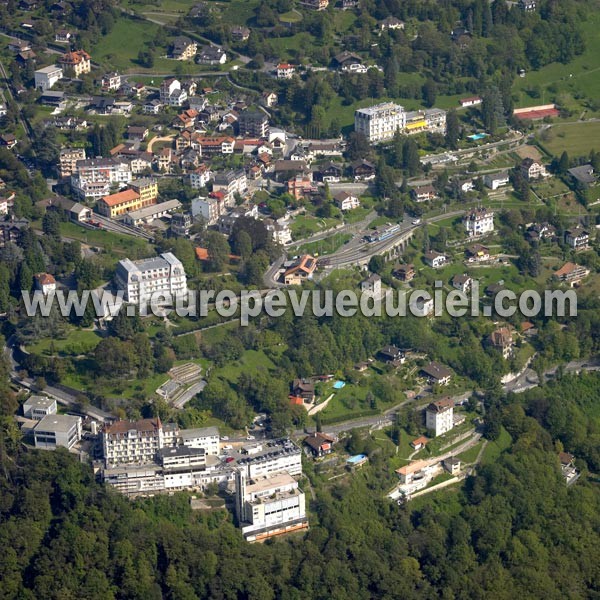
(379, 123)
(141, 279)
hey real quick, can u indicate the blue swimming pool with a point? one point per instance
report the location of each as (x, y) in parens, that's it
(338, 385)
(477, 136)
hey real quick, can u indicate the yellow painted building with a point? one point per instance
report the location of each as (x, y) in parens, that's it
(147, 190)
(120, 203)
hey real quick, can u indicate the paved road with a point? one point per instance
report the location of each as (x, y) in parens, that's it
(529, 379)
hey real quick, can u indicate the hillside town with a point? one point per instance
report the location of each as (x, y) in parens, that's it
(299, 299)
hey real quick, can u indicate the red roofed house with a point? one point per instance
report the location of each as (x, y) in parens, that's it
(420, 442)
(571, 273)
(502, 340)
(472, 101)
(45, 282)
(120, 203)
(301, 270)
(76, 63)
(285, 71)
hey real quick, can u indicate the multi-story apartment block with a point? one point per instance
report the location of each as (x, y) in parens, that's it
(208, 146)
(120, 203)
(141, 279)
(127, 442)
(171, 92)
(95, 177)
(439, 416)
(46, 77)
(110, 82)
(571, 273)
(200, 177)
(379, 123)
(183, 48)
(230, 183)
(253, 123)
(577, 237)
(67, 160)
(76, 63)
(478, 221)
(55, 430)
(269, 506)
(210, 209)
(147, 188)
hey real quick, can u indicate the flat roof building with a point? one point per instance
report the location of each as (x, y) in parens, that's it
(38, 407)
(53, 431)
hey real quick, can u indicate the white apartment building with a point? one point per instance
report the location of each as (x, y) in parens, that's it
(45, 78)
(55, 430)
(230, 183)
(111, 82)
(94, 177)
(478, 221)
(285, 71)
(171, 92)
(439, 416)
(141, 279)
(127, 442)
(38, 407)
(280, 230)
(269, 506)
(206, 438)
(200, 177)
(379, 123)
(210, 209)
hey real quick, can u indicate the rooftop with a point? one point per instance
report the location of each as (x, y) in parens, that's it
(141, 425)
(121, 197)
(187, 434)
(57, 423)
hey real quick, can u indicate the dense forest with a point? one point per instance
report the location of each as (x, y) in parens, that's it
(514, 530)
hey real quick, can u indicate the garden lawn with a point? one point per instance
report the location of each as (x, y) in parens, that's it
(119, 49)
(577, 139)
(580, 77)
(326, 246)
(77, 342)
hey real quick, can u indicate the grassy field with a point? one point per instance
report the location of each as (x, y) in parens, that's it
(290, 17)
(305, 225)
(121, 46)
(565, 83)
(326, 246)
(77, 341)
(577, 139)
(113, 242)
